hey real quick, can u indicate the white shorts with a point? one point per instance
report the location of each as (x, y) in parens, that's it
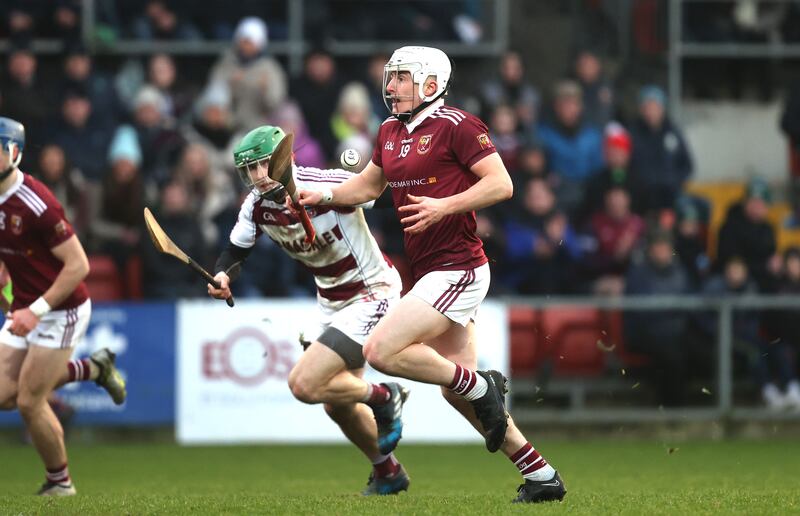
(456, 294)
(356, 320)
(59, 329)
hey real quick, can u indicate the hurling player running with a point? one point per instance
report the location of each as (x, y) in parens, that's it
(441, 167)
(355, 287)
(49, 313)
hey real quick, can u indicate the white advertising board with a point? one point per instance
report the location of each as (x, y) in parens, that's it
(233, 365)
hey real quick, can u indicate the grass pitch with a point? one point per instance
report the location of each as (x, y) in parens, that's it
(601, 477)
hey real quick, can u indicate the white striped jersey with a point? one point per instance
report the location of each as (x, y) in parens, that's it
(347, 264)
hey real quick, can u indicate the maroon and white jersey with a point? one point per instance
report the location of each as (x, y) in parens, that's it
(345, 259)
(431, 156)
(32, 222)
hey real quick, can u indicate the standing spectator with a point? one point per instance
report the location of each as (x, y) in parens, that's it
(660, 335)
(573, 148)
(163, 75)
(209, 190)
(66, 16)
(165, 19)
(82, 137)
(618, 232)
(747, 233)
(212, 127)
(598, 97)
(24, 99)
(257, 82)
(317, 91)
(67, 184)
(80, 74)
(353, 115)
(308, 152)
(118, 204)
(512, 89)
(661, 160)
(23, 17)
(157, 137)
(503, 131)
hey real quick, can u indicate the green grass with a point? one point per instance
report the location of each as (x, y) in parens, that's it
(602, 478)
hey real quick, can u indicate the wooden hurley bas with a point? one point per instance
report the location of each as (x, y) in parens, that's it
(165, 245)
(280, 170)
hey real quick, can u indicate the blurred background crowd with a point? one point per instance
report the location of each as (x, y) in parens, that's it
(605, 200)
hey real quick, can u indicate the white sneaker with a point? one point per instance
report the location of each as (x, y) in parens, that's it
(773, 397)
(56, 489)
(792, 398)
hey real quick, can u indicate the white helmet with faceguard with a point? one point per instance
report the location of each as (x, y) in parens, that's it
(421, 63)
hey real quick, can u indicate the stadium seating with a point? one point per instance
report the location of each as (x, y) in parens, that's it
(721, 195)
(133, 278)
(523, 335)
(570, 340)
(104, 280)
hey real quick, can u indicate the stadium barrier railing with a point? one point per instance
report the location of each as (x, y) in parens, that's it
(722, 390)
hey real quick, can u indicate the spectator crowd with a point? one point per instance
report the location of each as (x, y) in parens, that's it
(600, 205)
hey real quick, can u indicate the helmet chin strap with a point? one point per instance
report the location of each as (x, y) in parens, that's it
(408, 115)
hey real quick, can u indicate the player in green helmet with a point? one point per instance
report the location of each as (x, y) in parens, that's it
(355, 285)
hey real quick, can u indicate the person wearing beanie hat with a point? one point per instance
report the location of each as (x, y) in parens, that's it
(690, 243)
(257, 82)
(758, 188)
(660, 159)
(617, 147)
(748, 233)
(652, 93)
(251, 37)
(125, 146)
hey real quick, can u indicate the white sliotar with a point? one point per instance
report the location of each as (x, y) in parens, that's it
(350, 158)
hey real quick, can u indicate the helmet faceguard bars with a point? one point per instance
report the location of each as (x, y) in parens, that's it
(251, 157)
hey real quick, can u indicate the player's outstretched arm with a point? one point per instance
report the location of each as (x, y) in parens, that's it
(76, 267)
(493, 186)
(361, 188)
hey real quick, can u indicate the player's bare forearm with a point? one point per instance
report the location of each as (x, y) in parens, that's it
(493, 186)
(359, 189)
(75, 269)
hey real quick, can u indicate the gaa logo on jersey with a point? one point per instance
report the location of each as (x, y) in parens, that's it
(424, 144)
(484, 141)
(16, 224)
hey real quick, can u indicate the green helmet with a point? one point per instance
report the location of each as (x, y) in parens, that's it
(255, 149)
